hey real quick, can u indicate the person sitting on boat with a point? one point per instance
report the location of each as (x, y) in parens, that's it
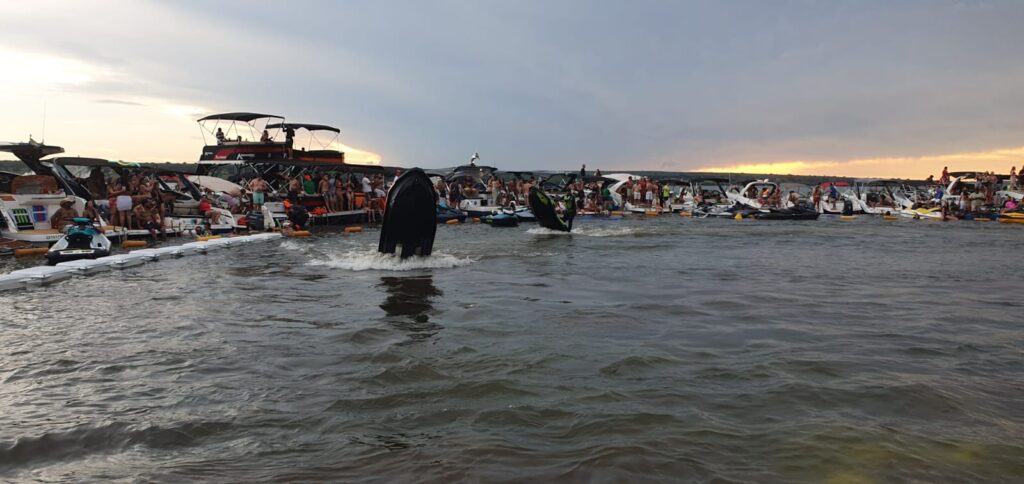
(265, 137)
(91, 212)
(63, 215)
(147, 217)
(297, 214)
(206, 208)
(220, 136)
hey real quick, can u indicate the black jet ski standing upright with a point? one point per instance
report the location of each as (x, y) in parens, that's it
(543, 208)
(410, 216)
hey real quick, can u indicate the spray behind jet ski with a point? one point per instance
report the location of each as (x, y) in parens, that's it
(410, 216)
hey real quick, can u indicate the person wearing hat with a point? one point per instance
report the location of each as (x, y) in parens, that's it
(64, 214)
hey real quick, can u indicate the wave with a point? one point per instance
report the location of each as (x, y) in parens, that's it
(369, 259)
(602, 231)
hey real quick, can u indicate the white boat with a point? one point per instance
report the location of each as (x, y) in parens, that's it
(28, 201)
(751, 192)
(878, 197)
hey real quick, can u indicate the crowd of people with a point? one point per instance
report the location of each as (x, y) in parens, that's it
(132, 200)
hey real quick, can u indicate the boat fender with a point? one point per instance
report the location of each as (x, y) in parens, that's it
(847, 217)
(889, 217)
(686, 214)
(133, 243)
(453, 221)
(651, 213)
(616, 212)
(476, 220)
(739, 216)
(353, 230)
(303, 233)
(30, 251)
(201, 238)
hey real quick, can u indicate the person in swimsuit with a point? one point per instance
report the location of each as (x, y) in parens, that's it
(324, 187)
(258, 187)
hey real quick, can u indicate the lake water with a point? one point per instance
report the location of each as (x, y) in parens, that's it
(660, 349)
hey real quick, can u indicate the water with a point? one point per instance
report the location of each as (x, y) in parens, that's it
(659, 349)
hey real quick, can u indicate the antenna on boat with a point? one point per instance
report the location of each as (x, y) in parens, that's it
(43, 141)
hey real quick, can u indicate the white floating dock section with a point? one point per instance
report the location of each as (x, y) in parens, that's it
(86, 266)
(44, 274)
(12, 281)
(47, 274)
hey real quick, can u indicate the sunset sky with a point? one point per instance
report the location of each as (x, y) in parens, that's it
(860, 88)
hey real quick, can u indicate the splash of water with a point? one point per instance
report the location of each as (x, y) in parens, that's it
(368, 259)
(600, 231)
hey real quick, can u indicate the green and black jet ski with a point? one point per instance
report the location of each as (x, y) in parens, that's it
(543, 208)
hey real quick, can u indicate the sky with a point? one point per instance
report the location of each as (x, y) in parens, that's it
(831, 87)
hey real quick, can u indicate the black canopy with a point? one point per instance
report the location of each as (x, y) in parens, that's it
(244, 117)
(309, 127)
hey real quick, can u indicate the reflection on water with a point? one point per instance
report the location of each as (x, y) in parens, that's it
(408, 304)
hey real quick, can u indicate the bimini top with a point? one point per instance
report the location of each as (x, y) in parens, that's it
(30, 151)
(99, 162)
(306, 126)
(244, 117)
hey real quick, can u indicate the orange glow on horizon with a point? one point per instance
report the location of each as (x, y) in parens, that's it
(997, 160)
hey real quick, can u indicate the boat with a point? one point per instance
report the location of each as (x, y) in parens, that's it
(878, 197)
(183, 195)
(82, 241)
(28, 201)
(500, 219)
(239, 158)
(474, 179)
(750, 194)
(836, 205)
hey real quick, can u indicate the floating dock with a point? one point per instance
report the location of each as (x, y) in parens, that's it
(41, 275)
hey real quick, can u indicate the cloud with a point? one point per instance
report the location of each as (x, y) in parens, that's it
(530, 84)
(119, 102)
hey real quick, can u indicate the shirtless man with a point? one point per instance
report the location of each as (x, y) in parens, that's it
(64, 214)
(258, 187)
(324, 188)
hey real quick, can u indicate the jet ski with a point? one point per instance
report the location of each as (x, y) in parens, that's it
(522, 213)
(501, 219)
(543, 208)
(795, 213)
(446, 213)
(82, 241)
(410, 216)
